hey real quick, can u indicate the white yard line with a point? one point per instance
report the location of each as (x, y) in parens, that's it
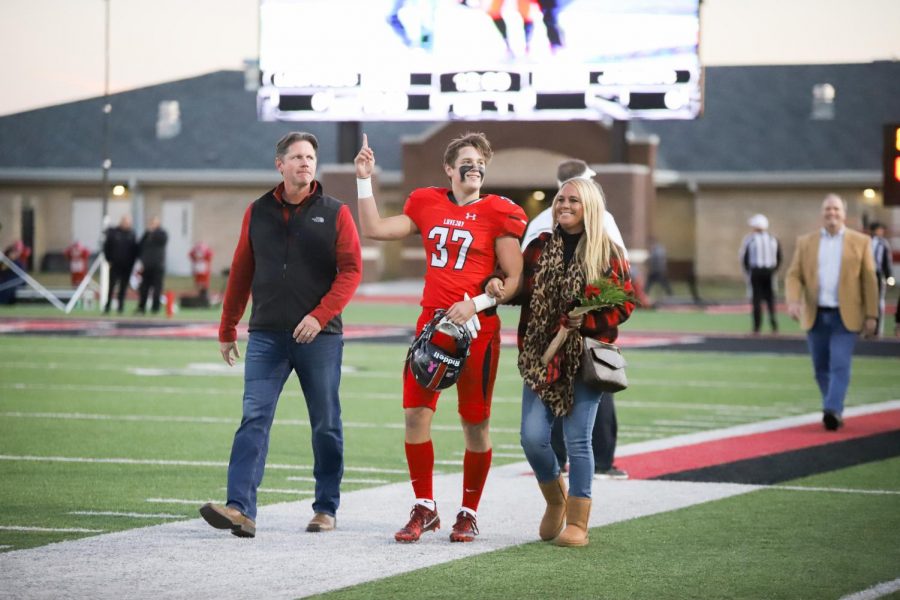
(217, 420)
(180, 463)
(129, 515)
(876, 591)
(49, 529)
(801, 488)
(304, 423)
(197, 503)
(343, 480)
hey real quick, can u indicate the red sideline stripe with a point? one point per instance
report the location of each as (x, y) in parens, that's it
(706, 454)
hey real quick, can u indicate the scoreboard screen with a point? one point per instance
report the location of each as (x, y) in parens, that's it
(433, 60)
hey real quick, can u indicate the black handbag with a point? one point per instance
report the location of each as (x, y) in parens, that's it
(603, 366)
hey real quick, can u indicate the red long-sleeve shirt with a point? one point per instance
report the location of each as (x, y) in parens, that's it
(240, 279)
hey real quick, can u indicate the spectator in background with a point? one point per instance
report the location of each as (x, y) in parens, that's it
(10, 281)
(153, 262)
(566, 170)
(298, 257)
(760, 258)
(657, 267)
(201, 261)
(831, 289)
(78, 256)
(120, 250)
(897, 319)
(884, 268)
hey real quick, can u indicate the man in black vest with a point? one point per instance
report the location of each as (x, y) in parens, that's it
(152, 250)
(120, 249)
(298, 255)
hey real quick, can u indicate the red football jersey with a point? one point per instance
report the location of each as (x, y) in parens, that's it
(459, 240)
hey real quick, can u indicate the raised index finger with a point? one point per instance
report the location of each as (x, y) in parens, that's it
(365, 141)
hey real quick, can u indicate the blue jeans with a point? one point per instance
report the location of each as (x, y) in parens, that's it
(537, 422)
(831, 345)
(270, 358)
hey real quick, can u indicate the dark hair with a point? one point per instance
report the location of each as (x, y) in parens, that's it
(875, 225)
(569, 169)
(293, 137)
(476, 140)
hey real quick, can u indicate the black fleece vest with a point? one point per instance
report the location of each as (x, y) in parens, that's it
(295, 262)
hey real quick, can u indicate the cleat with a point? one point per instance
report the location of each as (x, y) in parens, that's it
(465, 529)
(421, 519)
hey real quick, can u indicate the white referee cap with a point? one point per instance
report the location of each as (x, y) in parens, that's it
(758, 222)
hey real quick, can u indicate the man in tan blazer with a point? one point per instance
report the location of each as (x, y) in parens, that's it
(831, 288)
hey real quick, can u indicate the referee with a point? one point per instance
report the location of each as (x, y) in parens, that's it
(760, 258)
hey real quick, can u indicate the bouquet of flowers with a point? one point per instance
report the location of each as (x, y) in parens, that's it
(599, 294)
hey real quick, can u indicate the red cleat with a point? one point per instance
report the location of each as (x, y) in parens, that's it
(421, 519)
(465, 529)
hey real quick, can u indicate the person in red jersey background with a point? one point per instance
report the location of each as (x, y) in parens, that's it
(466, 236)
(201, 261)
(78, 256)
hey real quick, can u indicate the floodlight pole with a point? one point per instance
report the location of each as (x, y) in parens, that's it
(107, 109)
(105, 166)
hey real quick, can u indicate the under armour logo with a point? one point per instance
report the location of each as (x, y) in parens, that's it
(470, 216)
(432, 366)
(318, 219)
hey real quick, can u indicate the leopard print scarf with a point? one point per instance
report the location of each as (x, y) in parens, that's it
(555, 287)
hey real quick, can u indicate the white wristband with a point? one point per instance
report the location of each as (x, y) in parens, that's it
(484, 301)
(364, 188)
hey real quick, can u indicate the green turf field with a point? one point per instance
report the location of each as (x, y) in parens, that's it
(96, 434)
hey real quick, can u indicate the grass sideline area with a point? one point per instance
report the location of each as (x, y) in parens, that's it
(103, 435)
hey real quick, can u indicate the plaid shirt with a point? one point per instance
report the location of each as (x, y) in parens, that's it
(602, 324)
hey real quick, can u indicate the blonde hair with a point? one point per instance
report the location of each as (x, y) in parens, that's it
(595, 250)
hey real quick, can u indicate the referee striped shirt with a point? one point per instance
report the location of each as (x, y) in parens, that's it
(760, 251)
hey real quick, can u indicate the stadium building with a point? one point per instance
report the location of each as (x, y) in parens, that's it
(772, 139)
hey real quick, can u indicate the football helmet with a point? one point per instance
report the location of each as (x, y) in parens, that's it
(434, 366)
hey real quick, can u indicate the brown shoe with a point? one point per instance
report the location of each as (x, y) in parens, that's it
(321, 522)
(225, 517)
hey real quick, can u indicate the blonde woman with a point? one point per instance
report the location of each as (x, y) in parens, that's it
(558, 266)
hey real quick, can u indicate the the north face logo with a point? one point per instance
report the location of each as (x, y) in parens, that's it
(318, 219)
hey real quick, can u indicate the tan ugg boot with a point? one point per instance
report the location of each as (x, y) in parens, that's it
(578, 513)
(555, 515)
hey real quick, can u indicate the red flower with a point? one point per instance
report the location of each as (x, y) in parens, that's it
(591, 291)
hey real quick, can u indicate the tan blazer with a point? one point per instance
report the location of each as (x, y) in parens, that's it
(857, 286)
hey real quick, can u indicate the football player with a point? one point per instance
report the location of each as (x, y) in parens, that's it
(466, 235)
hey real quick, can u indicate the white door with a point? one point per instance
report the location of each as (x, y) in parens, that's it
(178, 221)
(86, 225)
